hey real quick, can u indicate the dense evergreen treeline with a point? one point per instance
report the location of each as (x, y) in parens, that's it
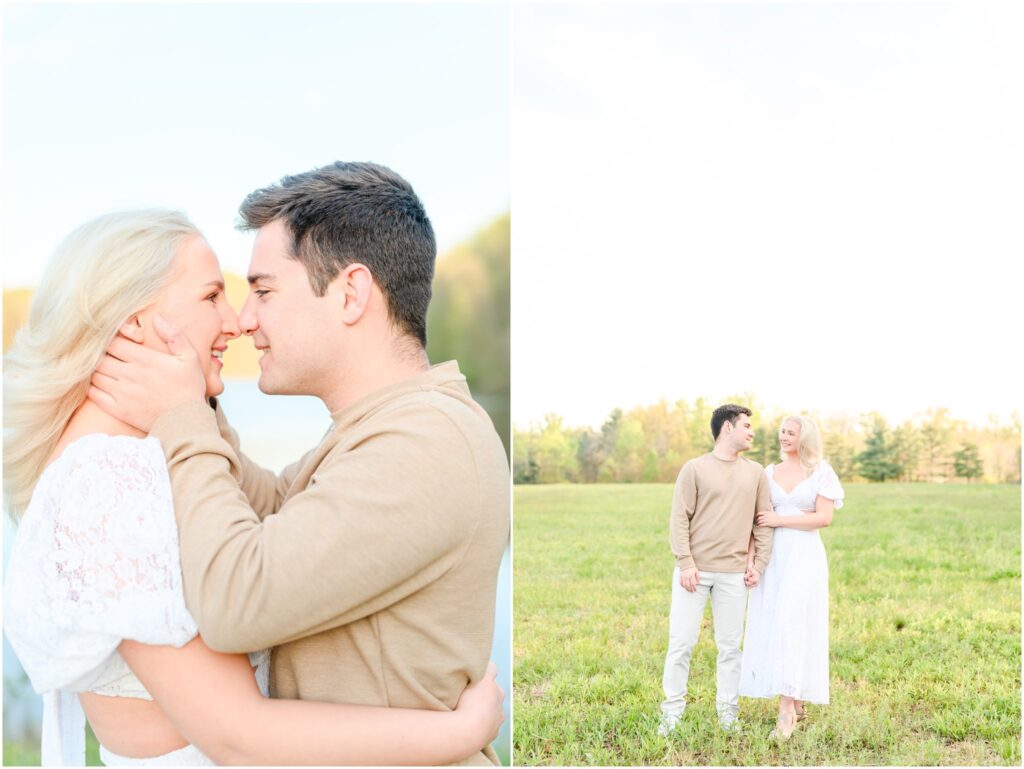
(651, 443)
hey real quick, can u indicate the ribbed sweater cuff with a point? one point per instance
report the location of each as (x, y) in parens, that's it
(685, 563)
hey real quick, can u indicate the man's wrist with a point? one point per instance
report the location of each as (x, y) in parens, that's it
(685, 563)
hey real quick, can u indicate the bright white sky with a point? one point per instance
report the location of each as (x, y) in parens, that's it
(820, 204)
(193, 106)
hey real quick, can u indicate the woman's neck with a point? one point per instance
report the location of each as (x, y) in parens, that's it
(793, 461)
(88, 419)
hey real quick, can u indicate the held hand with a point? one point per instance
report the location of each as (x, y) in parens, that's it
(688, 579)
(480, 708)
(136, 384)
(752, 577)
(769, 519)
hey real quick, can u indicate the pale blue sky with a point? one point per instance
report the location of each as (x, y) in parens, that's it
(819, 203)
(193, 106)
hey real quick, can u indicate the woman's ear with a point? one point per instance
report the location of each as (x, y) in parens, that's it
(132, 329)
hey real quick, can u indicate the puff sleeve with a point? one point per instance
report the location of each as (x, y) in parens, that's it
(829, 485)
(95, 561)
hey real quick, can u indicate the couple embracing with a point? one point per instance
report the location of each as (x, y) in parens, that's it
(734, 528)
(197, 608)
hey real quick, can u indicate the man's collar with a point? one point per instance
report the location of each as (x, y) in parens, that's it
(432, 378)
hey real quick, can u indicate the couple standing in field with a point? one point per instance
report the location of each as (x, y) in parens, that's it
(734, 528)
(152, 554)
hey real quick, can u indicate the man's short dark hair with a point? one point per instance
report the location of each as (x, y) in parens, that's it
(730, 412)
(345, 213)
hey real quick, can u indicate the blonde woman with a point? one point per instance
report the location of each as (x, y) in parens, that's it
(785, 647)
(93, 604)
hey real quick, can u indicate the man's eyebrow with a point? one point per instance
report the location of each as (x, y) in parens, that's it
(264, 277)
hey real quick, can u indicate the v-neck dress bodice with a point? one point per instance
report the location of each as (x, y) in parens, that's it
(822, 481)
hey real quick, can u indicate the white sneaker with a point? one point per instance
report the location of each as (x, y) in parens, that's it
(669, 721)
(730, 724)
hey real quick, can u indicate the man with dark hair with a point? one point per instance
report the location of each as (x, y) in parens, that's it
(716, 500)
(334, 213)
(370, 565)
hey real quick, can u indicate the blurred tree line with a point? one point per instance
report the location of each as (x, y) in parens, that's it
(650, 443)
(469, 318)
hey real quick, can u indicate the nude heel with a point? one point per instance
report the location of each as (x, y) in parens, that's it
(783, 728)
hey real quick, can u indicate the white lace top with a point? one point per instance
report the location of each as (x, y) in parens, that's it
(95, 561)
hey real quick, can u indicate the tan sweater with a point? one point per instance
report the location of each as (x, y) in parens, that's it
(370, 565)
(713, 514)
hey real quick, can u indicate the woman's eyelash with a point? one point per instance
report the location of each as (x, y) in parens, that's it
(213, 297)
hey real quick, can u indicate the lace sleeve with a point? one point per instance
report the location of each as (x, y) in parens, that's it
(95, 562)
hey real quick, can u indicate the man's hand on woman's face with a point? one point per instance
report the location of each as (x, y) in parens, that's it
(136, 384)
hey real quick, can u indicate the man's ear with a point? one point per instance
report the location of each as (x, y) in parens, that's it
(355, 284)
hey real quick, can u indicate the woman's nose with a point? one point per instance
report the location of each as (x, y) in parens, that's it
(229, 325)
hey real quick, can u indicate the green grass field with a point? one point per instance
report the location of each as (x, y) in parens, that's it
(925, 633)
(20, 753)
(24, 754)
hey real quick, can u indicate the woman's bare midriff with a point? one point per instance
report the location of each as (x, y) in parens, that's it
(130, 727)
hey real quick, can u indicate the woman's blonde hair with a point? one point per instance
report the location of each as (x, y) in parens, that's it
(104, 272)
(808, 448)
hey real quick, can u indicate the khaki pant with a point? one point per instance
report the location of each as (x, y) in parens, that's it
(728, 603)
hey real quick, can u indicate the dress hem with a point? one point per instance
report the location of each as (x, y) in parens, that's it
(765, 696)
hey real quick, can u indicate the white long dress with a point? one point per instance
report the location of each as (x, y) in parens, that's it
(95, 561)
(785, 645)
